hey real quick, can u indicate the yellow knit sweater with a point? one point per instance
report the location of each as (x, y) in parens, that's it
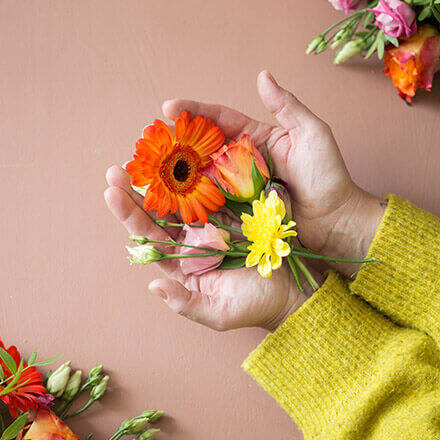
(361, 360)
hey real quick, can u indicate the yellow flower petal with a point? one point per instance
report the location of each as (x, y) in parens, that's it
(252, 259)
(281, 247)
(264, 267)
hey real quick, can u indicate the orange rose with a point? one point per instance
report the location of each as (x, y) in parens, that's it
(47, 426)
(414, 63)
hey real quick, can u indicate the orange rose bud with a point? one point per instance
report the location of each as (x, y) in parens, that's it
(48, 426)
(239, 170)
(414, 63)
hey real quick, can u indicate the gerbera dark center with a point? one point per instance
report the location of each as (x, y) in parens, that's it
(181, 170)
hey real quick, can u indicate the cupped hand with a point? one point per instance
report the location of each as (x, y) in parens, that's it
(221, 300)
(334, 216)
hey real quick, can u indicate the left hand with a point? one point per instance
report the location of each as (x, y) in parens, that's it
(221, 300)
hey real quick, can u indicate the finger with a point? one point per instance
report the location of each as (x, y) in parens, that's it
(137, 221)
(117, 176)
(192, 304)
(233, 123)
(287, 109)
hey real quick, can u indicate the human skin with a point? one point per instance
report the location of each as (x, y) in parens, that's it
(334, 216)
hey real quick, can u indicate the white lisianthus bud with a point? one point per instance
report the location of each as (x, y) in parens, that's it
(149, 434)
(314, 44)
(144, 254)
(350, 50)
(72, 386)
(99, 390)
(58, 380)
(339, 38)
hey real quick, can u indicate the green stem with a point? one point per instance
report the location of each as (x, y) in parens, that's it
(306, 273)
(323, 257)
(164, 223)
(295, 273)
(348, 17)
(118, 434)
(223, 226)
(86, 406)
(207, 254)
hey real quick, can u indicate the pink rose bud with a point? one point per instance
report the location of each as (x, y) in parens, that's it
(231, 169)
(345, 5)
(209, 237)
(395, 18)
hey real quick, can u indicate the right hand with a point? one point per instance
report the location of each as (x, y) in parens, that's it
(334, 216)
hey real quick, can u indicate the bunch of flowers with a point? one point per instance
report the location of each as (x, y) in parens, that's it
(403, 32)
(193, 173)
(36, 408)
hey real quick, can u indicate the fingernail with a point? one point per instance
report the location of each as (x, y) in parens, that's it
(270, 77)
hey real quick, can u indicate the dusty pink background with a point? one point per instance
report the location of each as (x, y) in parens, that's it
(78, 82)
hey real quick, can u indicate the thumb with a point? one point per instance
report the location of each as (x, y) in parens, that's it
(288, 110)
(192, 304)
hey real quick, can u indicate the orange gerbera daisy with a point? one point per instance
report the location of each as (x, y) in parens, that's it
(169, 164)
(29, 387)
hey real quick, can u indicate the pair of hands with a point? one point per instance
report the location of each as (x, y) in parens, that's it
(333, 215)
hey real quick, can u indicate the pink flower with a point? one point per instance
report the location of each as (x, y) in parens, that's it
(46, 401)
(345, 5)
(395, 18)
(210, 237)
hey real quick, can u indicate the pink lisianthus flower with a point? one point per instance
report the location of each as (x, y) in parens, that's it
(210, 237)
(396, 18)
(46, 401)
(345, 5)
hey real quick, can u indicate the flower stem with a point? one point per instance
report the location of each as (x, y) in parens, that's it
(295, 273)
(306, 273)
(86, 406)
(307, 254)
(207, 254)
(164, 223)
(223, 226)
(348, 17)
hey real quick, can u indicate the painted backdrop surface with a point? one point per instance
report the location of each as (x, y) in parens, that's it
(78, 81)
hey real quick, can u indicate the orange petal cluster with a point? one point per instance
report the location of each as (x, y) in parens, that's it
(169, 165)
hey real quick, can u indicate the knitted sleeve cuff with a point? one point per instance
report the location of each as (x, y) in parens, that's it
(404, 284)
(319, 361)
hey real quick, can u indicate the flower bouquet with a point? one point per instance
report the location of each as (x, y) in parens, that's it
(403, 32)
(33, 408)
(190, 173)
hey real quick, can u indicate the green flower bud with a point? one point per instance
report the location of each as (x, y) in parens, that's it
(135, 425)
(144, 254)
(95, 375)
(339, 38)
(140, 238)
(153, 415)
(322, 47)
(99, 390)
(58, 380)
(72, 386)
(149, 434)
(351, 49)
(314, 44)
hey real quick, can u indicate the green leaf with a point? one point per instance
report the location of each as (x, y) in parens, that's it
(140, 189)
(372, 49)
(232, 263)
(2, 374)
(393, 40)
(228, 195)
(15, 427)
(380, 48)
(48, 361)
(257, 179)
(238, 208)
(426, 13)
(8, 360)
(269, 159)
(32, 357)
(436, 12)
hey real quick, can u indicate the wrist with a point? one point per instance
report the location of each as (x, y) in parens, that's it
(355, 228)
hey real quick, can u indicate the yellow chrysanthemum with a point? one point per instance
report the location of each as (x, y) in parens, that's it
(266, 232)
